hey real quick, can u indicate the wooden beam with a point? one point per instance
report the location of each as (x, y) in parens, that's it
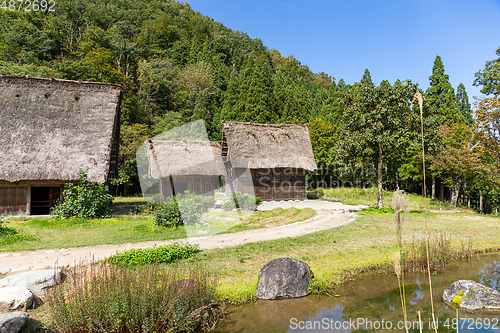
(28, 201)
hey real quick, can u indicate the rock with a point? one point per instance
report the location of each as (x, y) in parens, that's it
(12, 322)
(471, 296)
(15, 299)
(284, 278)
(36, 281)
(4, 270)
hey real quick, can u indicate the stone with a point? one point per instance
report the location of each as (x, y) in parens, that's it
(12, 322)
(284, 278)
(471, 296)
(4, 271)
(36, 281)
(14, 298)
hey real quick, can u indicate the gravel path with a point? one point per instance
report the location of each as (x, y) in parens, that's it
(330, 215)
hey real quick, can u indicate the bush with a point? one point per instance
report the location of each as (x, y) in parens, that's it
(86, 200)
(168, 214)
(185, 208)
(155, 254)
(119, 299)
(243, 201)
(315, 194)
(376, 210)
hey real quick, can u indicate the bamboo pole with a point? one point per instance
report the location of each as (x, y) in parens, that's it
(418, 96)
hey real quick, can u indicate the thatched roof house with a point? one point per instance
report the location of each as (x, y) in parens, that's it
(185, 165)
(277, 155)
(50, 130)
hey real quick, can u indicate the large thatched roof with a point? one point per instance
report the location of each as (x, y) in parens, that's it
(261, 146)
(184, 158)
(53, 129)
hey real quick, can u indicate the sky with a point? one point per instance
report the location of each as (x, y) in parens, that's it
(396, 39)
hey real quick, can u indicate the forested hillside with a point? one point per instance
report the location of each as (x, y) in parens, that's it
(178, 66)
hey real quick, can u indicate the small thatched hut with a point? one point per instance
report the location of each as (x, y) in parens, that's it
(50, 131)
(185, 165)
(277, 156)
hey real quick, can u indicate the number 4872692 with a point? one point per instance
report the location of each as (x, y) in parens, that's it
(28, 5)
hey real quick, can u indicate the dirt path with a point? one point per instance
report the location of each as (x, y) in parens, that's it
(330, 215)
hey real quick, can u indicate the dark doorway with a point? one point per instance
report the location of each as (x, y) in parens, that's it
(43, 199)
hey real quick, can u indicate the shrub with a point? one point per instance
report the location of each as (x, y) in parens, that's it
(376, 210)
(315, 194)
(85, 200)
(155, 254)
(118, 299)
(185, 208)
(243, 201)
(167, 214)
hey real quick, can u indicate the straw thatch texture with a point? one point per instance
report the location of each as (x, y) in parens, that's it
(262, 146)
(184, 158)
(53, 129)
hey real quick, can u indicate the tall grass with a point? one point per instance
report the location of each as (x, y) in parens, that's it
(400, 205)
(111, 298)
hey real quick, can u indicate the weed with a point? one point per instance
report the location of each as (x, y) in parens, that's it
(111, 298)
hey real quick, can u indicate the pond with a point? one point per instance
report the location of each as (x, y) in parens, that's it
(372, 303)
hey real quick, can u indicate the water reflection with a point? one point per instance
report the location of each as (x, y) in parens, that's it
(373, 304)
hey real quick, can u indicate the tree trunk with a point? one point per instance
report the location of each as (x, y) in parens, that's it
(466, 195)
(456, 181)
(380, 200)
(433, 191)
(496, 209)
(441, 192)
(397, 182)
(480, 204)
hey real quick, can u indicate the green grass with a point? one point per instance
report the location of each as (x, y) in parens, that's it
(360, 196)
(337, 254)
(121, 201)
(229, 222)
(49, 233)
(28, 234)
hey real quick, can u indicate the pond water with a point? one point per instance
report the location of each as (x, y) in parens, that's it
(372, 303)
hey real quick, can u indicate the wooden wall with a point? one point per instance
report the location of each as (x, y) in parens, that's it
(204, 185)
(271, 184)
(13, 201)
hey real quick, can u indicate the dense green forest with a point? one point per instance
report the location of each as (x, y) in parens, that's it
(179, 66)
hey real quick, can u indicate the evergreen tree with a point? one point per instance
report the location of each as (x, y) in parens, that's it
(255, 100)
(463, 104)
(441, 97)
(367, 78)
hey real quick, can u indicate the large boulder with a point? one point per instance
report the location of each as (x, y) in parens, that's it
(12, 322)
(15, 298)
(471, 296)
(284, 278)
(36, 281)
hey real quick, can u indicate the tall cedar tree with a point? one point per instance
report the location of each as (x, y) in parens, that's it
(378, 122)
(440, 95)
(463, 104)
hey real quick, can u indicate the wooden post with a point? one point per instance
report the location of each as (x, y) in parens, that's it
(480, 204)
(28, 200)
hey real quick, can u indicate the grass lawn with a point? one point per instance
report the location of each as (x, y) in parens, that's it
(359, 196)
(28, 234)
(337, 254)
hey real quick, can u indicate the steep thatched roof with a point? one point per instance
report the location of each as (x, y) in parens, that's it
(53, 129)
(184, 158)
(260, 146)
